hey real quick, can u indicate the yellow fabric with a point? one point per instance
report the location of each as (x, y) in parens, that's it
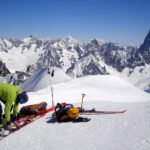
(73, 113)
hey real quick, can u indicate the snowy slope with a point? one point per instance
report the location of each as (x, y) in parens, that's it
(42, 79)
(127, 131)
(18, 58)
(97, 88)
(137, 78)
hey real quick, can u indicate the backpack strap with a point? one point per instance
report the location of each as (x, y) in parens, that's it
(59, 106)
(81, 119)
(61, 112)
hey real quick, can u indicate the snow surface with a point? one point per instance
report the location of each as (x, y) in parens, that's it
(128, 131)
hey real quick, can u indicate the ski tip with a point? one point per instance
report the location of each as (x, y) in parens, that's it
(124, 111)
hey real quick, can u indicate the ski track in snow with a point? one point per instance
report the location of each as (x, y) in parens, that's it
(126, 131)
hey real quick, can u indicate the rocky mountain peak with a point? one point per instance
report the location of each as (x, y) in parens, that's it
(146, 45)
(70, 40)
(144, 49)
(75, 58)
(29, 39)
(147, 39)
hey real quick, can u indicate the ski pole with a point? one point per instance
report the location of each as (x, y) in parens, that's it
(51, 87)
(83, 95)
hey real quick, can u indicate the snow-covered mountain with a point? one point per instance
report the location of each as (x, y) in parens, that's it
(76, 58)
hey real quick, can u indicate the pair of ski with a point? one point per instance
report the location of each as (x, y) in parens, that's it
(25, 121)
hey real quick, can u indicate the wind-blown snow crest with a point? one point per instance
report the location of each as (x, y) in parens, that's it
(99, 88)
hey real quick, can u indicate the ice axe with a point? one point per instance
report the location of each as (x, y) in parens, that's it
(83, 95)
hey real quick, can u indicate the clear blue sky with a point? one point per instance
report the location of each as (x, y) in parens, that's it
(122, 21)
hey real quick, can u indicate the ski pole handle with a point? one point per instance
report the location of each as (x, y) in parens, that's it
(82, 100)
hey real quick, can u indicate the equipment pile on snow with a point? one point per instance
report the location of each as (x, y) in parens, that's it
(68, 113)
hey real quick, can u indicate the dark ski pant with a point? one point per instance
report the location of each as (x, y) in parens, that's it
(0, 113)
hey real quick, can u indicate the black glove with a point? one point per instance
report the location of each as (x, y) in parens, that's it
(8, 123)
(14, 119)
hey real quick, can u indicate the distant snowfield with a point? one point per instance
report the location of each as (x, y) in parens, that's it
(18, 58)
(137, 78)
(128, 131)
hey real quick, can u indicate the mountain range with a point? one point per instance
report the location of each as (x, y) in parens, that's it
(19, 59)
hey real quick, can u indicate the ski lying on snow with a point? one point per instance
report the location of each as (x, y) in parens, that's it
(34, 116)
(94, 112)
(28, 120)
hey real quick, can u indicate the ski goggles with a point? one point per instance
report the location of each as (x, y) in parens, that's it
(22, 101)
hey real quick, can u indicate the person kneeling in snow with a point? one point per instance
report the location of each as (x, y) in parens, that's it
(9, 94)
(68, 113)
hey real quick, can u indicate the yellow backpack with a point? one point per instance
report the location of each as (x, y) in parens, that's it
(67, 112)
